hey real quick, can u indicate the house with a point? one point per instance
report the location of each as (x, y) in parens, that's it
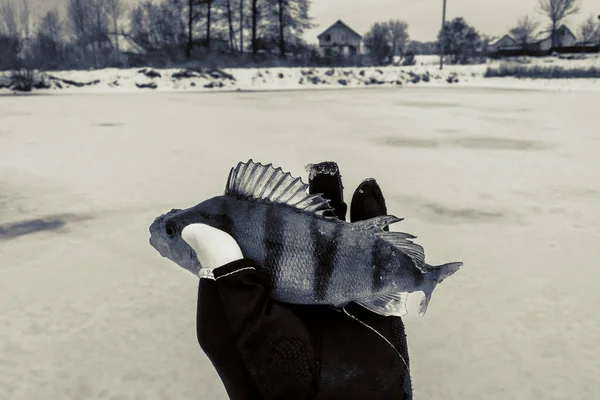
(563, 37)
(503, 42)
(339, 39)
(540, 43)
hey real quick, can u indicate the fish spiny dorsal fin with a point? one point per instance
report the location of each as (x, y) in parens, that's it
(257, 181)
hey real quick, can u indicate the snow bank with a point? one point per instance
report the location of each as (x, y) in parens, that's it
(426, 72)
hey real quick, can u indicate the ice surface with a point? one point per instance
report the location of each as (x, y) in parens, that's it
(504, 180)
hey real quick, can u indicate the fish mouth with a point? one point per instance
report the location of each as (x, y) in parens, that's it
(161, 249)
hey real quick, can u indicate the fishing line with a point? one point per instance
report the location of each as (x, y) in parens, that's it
(380, 335)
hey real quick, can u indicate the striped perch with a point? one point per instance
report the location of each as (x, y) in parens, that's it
(310, 258)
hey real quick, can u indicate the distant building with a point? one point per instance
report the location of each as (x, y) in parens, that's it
(563, 37)
(501, 43)
(339, 39)
(124, 43)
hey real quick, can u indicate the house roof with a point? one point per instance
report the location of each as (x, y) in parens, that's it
(339, 22)
(498, 39)
(126, 43)
(547, 34)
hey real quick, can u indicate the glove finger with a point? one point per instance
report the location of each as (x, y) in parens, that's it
(367, 202)
(325, 178)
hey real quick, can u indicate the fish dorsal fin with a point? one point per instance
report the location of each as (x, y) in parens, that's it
(264, 182)
(400, 240)
(403, 241)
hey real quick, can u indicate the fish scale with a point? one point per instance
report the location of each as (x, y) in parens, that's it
(308, 256)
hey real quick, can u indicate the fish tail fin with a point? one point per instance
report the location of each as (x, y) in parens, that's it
(445, 270)
(437, 275)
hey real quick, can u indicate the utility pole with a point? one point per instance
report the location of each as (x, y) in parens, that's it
(442, 38)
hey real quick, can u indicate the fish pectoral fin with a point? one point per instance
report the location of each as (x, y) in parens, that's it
(387, 305)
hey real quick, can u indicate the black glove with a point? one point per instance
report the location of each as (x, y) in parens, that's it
(263, 349)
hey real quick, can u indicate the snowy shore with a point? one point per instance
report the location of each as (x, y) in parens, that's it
(426, 73)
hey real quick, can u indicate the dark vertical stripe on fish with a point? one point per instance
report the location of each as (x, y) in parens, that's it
(378, 263)
(258, 221)
(224, 219)
(326, 251)
(273, 232)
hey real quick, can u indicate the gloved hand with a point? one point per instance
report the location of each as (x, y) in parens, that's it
(263, 349)
(213, 247)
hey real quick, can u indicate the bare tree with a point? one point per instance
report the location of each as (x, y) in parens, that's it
(241, 26)
(230, 24)
(193, 15)
(190, 29)
(524, 30)
(48, 41)
(159, 26)
(99, 17)
(282, 4)
(254, 26)
(399, 36)
(99, 24)
(283, 23)
(557, 11)
(51, 26)
(15, 23)
(9, 19)
(115, 10)
(590, 30)
(25, 20)
(78, 14)
(89, 24)
(10, 41)
(209, 4)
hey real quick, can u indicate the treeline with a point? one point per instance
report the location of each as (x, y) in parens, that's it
(389, 43)
(160, 33)
(107, 33)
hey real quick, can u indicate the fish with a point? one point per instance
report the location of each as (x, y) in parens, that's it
(308, 255)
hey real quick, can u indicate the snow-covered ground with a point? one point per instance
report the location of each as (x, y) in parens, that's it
(425, 73)
(506, 181)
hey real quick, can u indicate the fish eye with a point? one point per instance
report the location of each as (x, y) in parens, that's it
(170, 229)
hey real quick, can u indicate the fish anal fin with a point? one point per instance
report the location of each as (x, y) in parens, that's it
(387, 305)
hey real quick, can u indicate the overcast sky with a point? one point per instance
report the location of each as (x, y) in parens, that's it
(491, 17)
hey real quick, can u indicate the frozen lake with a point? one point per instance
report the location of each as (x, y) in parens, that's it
(507, 181)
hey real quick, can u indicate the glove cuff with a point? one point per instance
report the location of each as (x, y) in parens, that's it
(233, 267)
